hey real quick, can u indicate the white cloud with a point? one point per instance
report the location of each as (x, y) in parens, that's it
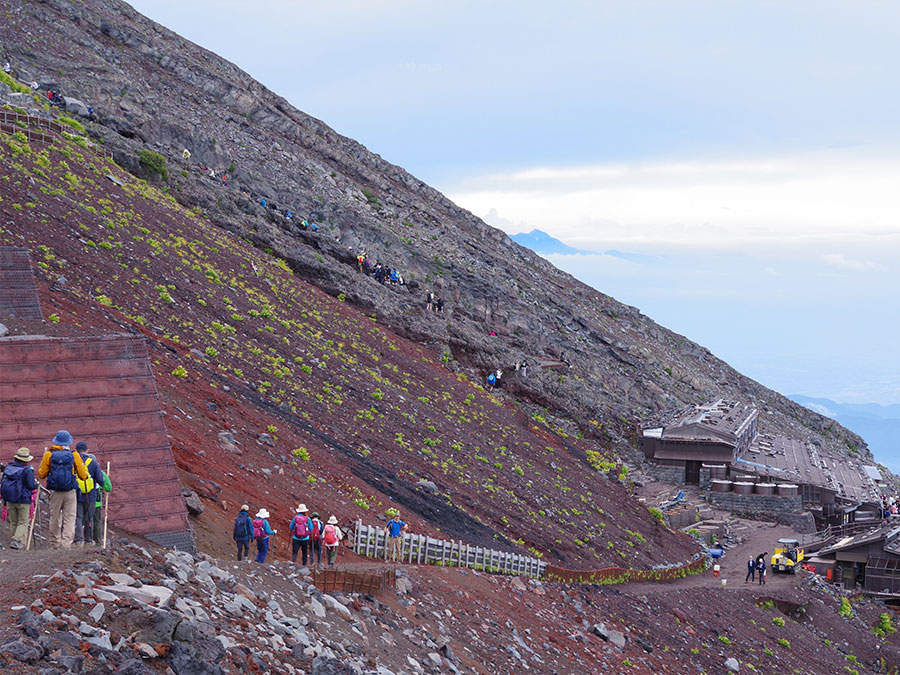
(826, 198)
(842, 262)
(771, 272)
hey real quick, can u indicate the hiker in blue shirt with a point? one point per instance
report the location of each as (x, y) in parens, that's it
(396, 528)
(262, 530)
(17, 490)
(243, 530)
(301, 530)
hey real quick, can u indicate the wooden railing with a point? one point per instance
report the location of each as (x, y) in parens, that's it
(424, 550)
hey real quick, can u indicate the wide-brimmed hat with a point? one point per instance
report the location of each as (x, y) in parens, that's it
(245, 508)
(332, 521)
(262, 513)
(23, 455)
(302, 508)
(63, 437)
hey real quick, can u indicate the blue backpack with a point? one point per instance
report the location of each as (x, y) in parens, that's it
(12, 487)
(62, 471)
(243, 527)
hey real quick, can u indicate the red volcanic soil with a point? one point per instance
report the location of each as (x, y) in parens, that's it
(354, 415)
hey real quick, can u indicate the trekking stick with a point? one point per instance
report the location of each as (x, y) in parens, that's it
(106, 509)
(37, 503)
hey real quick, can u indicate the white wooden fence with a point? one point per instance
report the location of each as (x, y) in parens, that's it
(417, 548)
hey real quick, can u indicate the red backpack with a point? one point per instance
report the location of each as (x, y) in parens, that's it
(259, 528)
(330, 533)
(316, 529)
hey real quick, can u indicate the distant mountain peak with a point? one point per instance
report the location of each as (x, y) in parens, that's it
(542, 243)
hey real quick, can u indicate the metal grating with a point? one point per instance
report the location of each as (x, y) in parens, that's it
(18, 293)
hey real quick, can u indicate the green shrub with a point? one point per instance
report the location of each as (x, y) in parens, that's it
(778, 621)
(180, 371)
(154, 163)
(75, 124)
(301, 453)
(846, 610)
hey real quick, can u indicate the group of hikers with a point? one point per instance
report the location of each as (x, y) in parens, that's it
(76, 483)
(309, 535)
(493, 378)
(381, 273)
(433, 304)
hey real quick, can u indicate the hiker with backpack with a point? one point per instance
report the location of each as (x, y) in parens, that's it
(86, 498)
(62, 466)
(261, 532)
(332, 537)
(243, 530)
(17, 490)
(396, 528)
(301, 531)
(104, 486)
(315, 539)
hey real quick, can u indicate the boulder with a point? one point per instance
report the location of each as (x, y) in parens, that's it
(732, 664)
(4, 331)
(21, 650)
(192, 502)
(427, 486)
(76, 107)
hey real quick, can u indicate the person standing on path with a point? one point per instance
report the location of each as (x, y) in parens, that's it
(86, 497)
(301, 530)
(261, 531)
(62, 467)
(105, 486)
(751, 571)
(761, 569)
(243, 530)
(332, 537)
(315, 538)
(396, 528)
(17, 489)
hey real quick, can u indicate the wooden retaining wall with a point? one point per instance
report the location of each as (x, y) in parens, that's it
(621, 575)
(417, 548)
(354, 582)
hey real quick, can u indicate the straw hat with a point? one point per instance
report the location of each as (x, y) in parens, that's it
(332, 521)
(302, 508)
(23, 455)
(262, 513)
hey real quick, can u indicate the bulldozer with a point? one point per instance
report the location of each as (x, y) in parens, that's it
(787, 557)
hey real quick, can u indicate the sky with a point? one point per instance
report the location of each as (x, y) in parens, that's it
(747, 153)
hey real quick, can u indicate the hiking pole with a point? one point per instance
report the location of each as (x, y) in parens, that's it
(106, 509)
(37, 502)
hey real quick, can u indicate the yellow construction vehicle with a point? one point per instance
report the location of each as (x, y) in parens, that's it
(788, 556)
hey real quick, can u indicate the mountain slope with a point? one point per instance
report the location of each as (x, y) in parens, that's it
(152, 89)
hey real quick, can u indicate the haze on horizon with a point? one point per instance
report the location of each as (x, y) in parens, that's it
(748, 150)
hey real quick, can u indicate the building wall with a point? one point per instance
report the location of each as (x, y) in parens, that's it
(784, 510)
(666, 472)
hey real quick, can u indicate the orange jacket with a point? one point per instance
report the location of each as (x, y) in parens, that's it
(44, 469)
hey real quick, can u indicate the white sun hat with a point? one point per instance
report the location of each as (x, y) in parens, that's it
(262, 513)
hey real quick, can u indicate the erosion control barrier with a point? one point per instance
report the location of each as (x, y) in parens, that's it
(354, 582)
(621, 575)
(417, 548)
